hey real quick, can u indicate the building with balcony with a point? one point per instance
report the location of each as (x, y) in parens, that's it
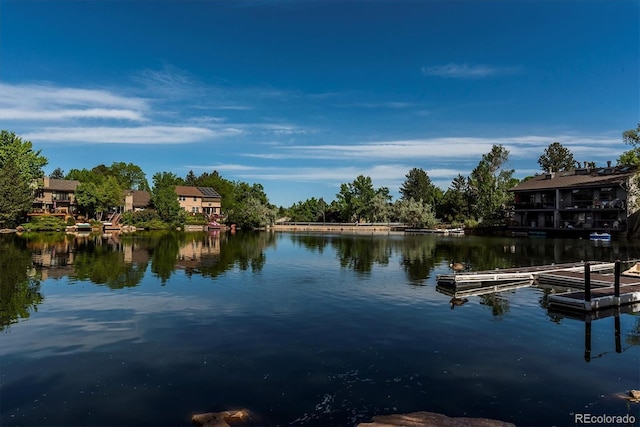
(55, 197)
(576, 202)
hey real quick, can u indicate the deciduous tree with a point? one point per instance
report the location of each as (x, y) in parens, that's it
(415, 213)
(16, 195)
(164, 197)
(355, 199)
(28, 163)
(489, 182)
(129, 176)
(97, 199)
(631, 157)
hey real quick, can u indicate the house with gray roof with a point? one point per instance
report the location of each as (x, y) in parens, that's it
(55, 196)
(577, 202)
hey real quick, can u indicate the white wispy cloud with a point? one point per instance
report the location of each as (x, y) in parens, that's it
(130, 135)
(29, 95)
(453, 148)
(45, 102)
(378, 105)
(63, 114)
(468, 71)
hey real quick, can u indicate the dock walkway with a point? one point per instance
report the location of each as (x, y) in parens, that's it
(598, 298)
(517, 274)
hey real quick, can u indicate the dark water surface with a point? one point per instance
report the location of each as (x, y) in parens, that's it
(300, 329)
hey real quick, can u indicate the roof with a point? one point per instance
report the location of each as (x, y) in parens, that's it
(62, 184)
(188, 191)
(209, 192)
(183, 190)
(141, 199)
(583, 178)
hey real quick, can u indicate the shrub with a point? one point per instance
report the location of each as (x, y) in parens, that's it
(470, 223)
(45, 223)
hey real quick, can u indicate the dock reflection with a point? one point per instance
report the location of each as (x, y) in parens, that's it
(590, 317)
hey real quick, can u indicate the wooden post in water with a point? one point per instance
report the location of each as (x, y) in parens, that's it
(616, 282)
(587, 338)
(617, 332)
(587, 283)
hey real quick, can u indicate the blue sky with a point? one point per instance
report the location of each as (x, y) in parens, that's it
(301, 96)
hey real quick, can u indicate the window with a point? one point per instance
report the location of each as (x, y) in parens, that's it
(182, 198)
(195, 199)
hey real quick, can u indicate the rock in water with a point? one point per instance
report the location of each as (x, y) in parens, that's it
(431, 419)
(221, 419)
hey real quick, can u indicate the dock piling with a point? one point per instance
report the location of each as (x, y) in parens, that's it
(587, 282)
(616, 280)
(587, 340)
(617, 333)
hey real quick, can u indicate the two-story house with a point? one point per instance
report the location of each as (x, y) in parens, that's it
(55, 197)
(199, 200)
(576, 201)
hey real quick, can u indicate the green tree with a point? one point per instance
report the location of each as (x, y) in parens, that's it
(16, 196)
(557, 158)
(249, 207)
(489, 183)
(381, 209)
(85, 176)
(20, 167)
(415, 213)
(355, 199)
(57, 173)
(164, 197)
(28, 163)
(455, 206)
(309, 210)
(418, 186)
(631, 157)
(97, 199)
(129, 176)
(192, 180)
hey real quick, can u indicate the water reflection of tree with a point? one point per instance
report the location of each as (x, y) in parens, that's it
(163, 249)
(315, 243)
(418, 257)
(104, 264)
(360, 253)
(19, 290)
(498, 303)
(633, 336)
(243, 251)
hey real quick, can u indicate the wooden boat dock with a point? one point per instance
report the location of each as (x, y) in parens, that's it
(616, 290)
(517, 274)
(600, 298)
(599, 291)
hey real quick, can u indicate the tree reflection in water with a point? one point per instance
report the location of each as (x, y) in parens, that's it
(19, 285)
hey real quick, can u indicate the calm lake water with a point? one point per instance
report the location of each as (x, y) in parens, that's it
(301, 329)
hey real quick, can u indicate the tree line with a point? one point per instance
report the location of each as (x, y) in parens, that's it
(482, 196)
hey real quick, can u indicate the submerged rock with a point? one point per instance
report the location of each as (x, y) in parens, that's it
(431, 419)
(221, 419)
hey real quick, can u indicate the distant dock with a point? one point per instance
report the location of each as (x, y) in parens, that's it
(517, 274)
